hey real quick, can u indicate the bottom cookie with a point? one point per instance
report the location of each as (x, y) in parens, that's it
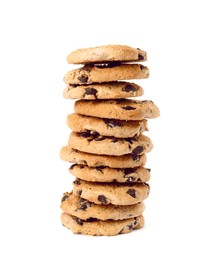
(94, 227)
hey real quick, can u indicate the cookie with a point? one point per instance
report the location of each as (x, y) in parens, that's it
(105, 73)
(108, 53)
(94, 227)
(125, 161)
(97, 144)
(106, 127)
(84, 209)
(122, 109)
(106, 174)
(111, 193)
(111, 90)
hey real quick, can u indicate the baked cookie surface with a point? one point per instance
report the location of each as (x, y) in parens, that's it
(89, 74)
(125, 161)
(84, 209)
(97, 144)
(122, 109)
(106, 174)
(107, 53)
(96, 227)
(106, 127)
(111, 193)
(111, 90)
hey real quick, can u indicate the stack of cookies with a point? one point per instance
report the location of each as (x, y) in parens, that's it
(107, 146)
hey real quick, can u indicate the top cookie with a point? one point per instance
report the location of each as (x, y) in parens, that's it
(107, 53)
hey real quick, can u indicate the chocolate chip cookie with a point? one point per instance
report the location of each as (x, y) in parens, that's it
(94, 143)
(106, 127)
(122, 109)
(106, 174)
(93, 160)
(111, 193)
(107, 53)
(95, 227)
(84, 209)
(110, 90)
(89, 74)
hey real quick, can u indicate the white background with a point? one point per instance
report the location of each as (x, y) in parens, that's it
(183, 41)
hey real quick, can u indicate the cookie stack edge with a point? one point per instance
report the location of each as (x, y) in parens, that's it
(107, 146)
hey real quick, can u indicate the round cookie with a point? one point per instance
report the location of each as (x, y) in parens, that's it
(84, 209)
(96, 144)
(94, 227)
(105, 73)
(125, 161)
(122, 109)
(106, 127)
(107, 53)
(111, 193)
(106, 174)
(111, 90)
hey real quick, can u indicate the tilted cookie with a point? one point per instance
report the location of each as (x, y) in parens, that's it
(106, 127)
(106, 174)
(125, 161)
(122, 109)
(111, 90)
(84, 209)
(111, 193)
(107, 53)
(97, 144)
(106, 73)
(96, 227)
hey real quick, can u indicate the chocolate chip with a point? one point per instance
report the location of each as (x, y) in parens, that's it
(142, 67)
(128, 171)
(88, 67)
(90, 91)
(77, 181)
(135, 156)
(73, 85)
(91, 219)
(100, 168)
(128, 108)
(65, 197)
(72, 166)
(112, 123)
(140, 57)
(129, 88)
(138, 150)
(84, 134)
(78, 221)
(115, 140)
(129, 140)
(132, 193)
(83, 78)
(102, 199)
(84, 204)
(130, 227)
(79, 192)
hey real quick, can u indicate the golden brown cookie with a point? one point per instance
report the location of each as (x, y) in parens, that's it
(106, 127)
(84, 209)
(107, 53)
(106, 73)
(94, 227)
(122, 109)
(111, 193)
(106, 174)
(93, 160)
